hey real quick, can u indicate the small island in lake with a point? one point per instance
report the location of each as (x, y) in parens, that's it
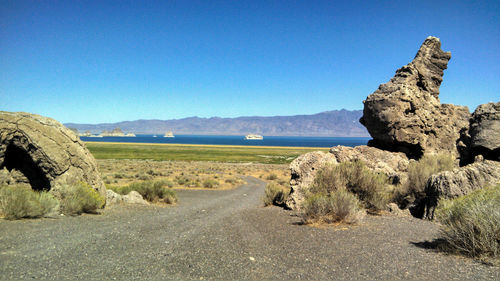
(117, 132)
(169, 134)
(254, 137)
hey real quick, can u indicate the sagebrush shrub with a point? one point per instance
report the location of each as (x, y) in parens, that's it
(336, 206)
(79, 198)
(170, 197)
(152, 191)
(210, 183)
(20, 201)
(275, 194)
(354, 176)
(271, 177)
(420, 171)
(471, 223)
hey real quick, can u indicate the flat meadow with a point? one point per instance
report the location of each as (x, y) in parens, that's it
(193, 166)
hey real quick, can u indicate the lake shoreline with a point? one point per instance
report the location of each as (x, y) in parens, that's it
(206, 145)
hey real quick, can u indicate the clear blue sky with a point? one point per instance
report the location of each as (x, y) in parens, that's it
(109, 61)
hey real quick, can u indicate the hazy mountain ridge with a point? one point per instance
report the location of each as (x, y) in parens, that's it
(336, 123)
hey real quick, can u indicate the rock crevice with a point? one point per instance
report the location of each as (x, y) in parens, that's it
(45, 152)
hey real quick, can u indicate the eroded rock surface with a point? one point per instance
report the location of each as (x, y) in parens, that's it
(305, 167)
(405, 114)
(45, 152)
(392, 164)
(485, 131)
(303, 170)
(459, 182)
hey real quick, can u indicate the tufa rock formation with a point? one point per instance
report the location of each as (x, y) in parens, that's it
(117, 132)
(407, 120)
(406, 115)
(303, 171)
(42, 152)
(393, 165)
(304, 168)
(459, 182)
(484, 131)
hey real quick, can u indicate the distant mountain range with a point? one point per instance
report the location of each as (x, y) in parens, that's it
(335, 123)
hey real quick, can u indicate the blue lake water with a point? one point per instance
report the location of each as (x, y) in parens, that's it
(237, 140)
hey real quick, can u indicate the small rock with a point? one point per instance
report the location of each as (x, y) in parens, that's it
(134, 198)
(113, 197)
(395, 210)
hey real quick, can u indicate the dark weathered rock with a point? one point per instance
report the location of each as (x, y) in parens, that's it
(459, 182)
(406, 115)
(485, 131)
(45, 152)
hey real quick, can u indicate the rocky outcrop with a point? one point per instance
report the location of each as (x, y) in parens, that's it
(304, 168)
(407, 120)
(459, 182)
(394, 165)
(484, 131)
(45, 152)
(406, 115)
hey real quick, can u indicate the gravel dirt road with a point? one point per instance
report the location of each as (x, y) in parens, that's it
(224, 235)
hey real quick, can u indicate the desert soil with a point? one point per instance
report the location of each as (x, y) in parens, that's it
(224, 235)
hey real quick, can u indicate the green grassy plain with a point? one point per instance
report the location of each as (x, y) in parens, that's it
(181, 152)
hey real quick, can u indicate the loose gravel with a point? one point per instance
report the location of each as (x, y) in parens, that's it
(224, 235)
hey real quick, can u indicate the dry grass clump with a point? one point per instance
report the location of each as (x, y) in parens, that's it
(275, 194)
(418, 174)
(471, 223)
(336, 206)
(78, 198)
(20, 201)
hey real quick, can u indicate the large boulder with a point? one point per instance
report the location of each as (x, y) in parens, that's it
(459, 182)
(392, 164)
(45, 152)
(406, 115)
(485, 131)
(304, 168)
(303, 171)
